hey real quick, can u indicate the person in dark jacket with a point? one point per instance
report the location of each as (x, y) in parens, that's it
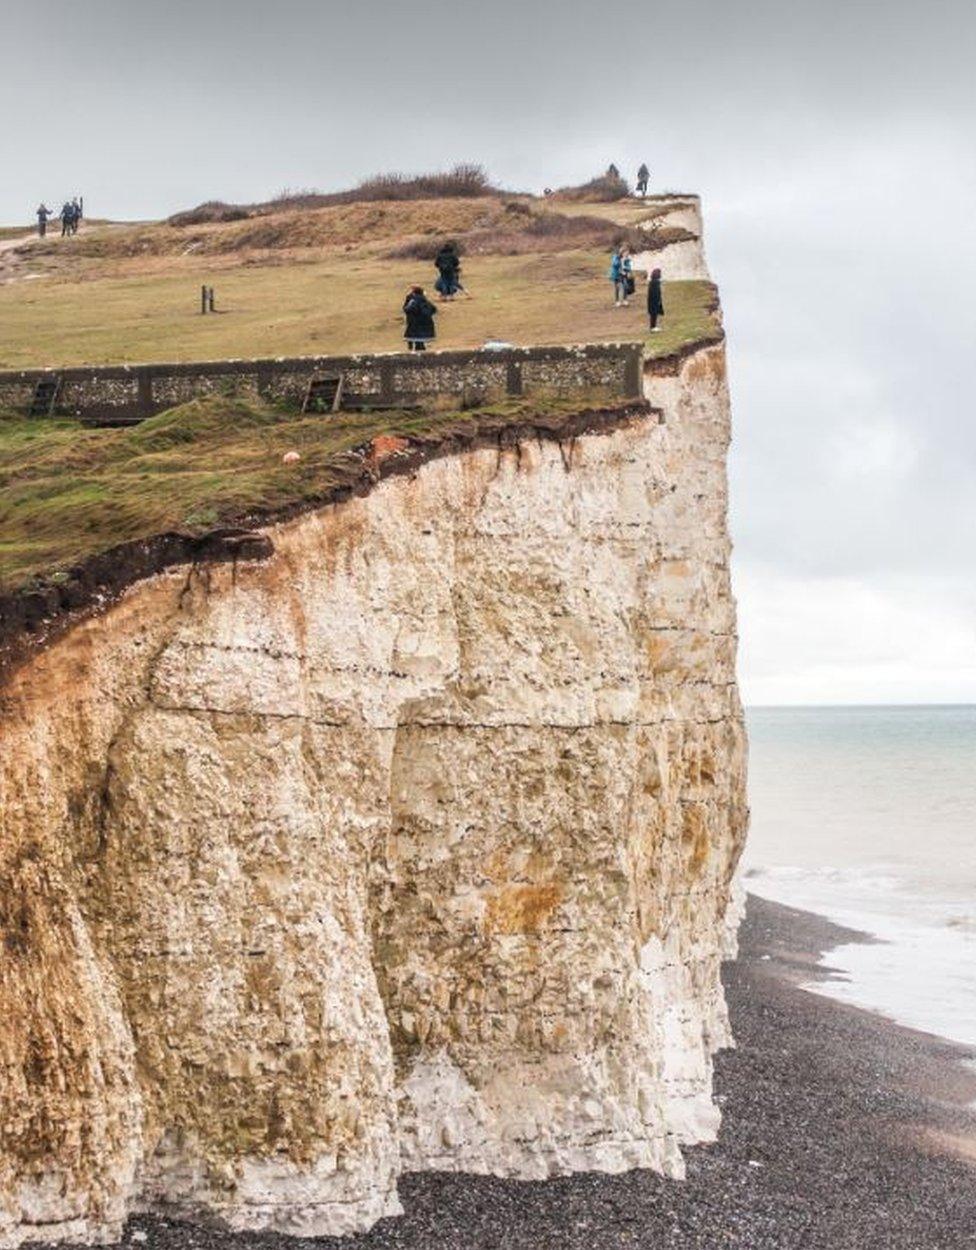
(448, 266)
(655, 303)
(43, 213)
(420, 314)
(643, 178)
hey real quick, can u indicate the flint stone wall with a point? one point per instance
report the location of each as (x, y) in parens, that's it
(132, 392)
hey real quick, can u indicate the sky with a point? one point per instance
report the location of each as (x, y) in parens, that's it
(833, 144)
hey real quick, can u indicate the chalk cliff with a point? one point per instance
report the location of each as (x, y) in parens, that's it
(410, 846)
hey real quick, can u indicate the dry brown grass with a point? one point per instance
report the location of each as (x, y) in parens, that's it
(482, 227)
(465, 181)
(338, 226)
(522, 231)
(604, 189)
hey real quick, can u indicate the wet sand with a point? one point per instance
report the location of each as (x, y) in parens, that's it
(841, 1131)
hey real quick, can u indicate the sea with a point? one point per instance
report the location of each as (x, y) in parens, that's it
(867, 815)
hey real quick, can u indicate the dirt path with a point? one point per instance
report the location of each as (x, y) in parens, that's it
(15, 253)
(11, 245)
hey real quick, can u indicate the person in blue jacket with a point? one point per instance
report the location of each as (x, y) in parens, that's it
(622, 276)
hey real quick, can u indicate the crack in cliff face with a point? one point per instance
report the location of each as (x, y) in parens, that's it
(407, 847)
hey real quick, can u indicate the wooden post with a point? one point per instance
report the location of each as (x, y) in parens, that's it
(145, 398)
(633, 362)
(203, 300)
(387, 393)
(210, 299)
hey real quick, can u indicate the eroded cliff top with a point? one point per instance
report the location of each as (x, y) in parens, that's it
(87, 512)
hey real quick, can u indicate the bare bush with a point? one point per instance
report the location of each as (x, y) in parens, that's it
(605, 189)
(463, 181)
(211, 211)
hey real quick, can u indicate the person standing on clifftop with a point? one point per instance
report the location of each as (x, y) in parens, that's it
(643, 178)
(655, 301)
(448, 266)
(420, 314)
(43, 213)
(621, 275)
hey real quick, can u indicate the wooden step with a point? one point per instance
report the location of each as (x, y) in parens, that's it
(324, 393)
(46, 394)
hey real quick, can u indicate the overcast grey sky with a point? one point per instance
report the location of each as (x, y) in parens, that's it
(833, 145)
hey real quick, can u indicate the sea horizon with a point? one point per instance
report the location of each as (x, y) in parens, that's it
(839, 707)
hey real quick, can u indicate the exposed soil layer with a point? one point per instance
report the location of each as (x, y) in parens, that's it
(827, 1111)
(32, 617)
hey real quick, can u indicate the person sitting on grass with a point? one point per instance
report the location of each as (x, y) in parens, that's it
(621, 275)
(420, 313)
(655, 303)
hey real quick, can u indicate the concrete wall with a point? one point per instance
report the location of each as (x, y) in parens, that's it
(131, 392)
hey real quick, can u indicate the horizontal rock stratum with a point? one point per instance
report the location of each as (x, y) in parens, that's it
(408, 846)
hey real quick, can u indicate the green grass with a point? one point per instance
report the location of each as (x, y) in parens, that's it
(67, 492)
(337, 305)
(122, 294)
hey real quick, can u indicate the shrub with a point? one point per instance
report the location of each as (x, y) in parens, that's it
(212, 211)
(463, 181)
(602, 190)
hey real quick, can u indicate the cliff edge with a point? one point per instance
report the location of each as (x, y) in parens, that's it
(407, 846)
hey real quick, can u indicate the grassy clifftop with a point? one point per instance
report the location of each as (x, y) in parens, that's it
(68, 493)
(331, 281)
(304, 279)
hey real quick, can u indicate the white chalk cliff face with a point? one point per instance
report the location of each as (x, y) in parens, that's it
(407, 848)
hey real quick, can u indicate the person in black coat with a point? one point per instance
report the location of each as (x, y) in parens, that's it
(420, 314)
(447, 262)
(655, 304)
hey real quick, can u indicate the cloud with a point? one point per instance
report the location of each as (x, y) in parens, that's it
(844, 640)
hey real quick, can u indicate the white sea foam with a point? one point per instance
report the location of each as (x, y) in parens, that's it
(920, 970)
(868, 816)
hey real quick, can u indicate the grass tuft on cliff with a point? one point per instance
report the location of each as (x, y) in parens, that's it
(67, 492)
